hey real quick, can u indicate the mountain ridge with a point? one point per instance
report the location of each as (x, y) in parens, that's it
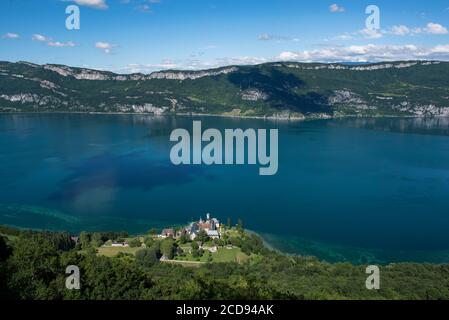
(274, 89)
(347, 65)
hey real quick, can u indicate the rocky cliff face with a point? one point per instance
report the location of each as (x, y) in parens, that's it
(183, 75)
(88, 74)
(382, 66)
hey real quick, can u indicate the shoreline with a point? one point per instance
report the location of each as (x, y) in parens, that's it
(229, 116)
(267, 244)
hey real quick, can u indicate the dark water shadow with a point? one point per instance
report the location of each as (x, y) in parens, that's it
(133, 170)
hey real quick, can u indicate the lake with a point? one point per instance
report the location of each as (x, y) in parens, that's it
(358, 190)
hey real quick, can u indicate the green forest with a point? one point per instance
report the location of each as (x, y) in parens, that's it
(33, 265)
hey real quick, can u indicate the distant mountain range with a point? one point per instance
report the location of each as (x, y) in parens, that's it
(281, 90)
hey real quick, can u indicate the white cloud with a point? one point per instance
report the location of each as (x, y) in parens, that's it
(396, 30)
(105, 46)
(368, 53)
(430, 28)
(97, 4)
(361, 34)
(192, 64)
(40, 37)
(441, 49)
(345, 36)
(336, 8)
(148, 68)
(163, 65)
(264, 37)
(290, 56)
(276, 38)
(435, 28)
(352, 53)
(61, 44)
(52, 43)
(400, 30)
(243, 60)
(10, 35)
(370, 33)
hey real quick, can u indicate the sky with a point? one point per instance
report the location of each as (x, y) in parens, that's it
(127, 36)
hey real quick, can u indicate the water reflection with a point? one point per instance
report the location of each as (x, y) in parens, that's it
(431, 126)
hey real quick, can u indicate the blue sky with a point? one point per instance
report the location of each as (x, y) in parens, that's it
(146, 35)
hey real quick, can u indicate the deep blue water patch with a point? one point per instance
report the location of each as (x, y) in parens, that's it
(130, 170)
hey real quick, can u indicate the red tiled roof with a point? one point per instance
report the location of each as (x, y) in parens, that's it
(167, 232)
(205, 225)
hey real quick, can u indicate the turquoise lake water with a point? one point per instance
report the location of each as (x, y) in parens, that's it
(359, 190)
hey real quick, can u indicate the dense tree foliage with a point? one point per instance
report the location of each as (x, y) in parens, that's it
(167, 248)
(148, 241)
(33, 264)
(202, 236)
(196, 251)
(96, 239)
(147, 257)
(134, 243)
(5, 252)
(184, 238)
(240, 227)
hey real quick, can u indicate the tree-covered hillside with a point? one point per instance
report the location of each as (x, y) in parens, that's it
(33, 264)
(287, 89)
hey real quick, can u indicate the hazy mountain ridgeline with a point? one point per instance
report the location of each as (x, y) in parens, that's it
(283, 89)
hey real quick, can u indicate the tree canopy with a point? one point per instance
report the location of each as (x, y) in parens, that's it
(33, 265)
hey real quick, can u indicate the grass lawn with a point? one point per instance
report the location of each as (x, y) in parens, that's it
(188, 264)
(233, 233)
(229, 255)
(222, 255)
(113, 251)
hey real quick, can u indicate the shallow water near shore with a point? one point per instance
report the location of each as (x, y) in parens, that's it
(358, 190)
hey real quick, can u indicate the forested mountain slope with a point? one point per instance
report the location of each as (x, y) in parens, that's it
(283, 90)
